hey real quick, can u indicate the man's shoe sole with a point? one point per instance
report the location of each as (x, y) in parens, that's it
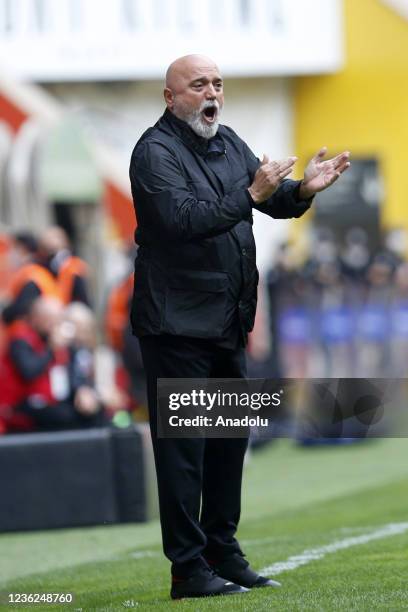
(274, 584)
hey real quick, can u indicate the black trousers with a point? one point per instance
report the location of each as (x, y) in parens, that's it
(199, 480)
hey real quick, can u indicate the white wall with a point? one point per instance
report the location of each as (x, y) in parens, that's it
(57, 40)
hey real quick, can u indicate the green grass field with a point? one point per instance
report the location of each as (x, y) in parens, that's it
(294, 499)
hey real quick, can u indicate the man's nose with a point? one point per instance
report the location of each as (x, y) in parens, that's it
(210, 93)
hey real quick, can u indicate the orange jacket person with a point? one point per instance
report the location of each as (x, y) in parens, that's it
(70, 271)
(29, 281)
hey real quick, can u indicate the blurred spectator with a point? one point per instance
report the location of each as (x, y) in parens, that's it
(396, 244)
(5, 246)
(322, 250)
(80, 324)
(332, 323)
(130, 375)
(117, 312)
(355, 256)
(70, 271)
(29, 280)
(373, 359)
(399, 323)
(36, 375)
(289, 317)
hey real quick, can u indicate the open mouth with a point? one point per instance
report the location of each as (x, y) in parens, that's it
(210, 114)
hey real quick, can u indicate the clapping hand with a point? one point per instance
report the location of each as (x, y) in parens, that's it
(269, 176)
(321, 173)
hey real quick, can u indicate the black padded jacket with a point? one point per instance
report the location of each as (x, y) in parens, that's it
(195, 271)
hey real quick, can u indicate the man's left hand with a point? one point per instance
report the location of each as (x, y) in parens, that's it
(320, 173)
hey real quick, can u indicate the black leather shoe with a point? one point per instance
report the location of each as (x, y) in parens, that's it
(204, 583)
(236, 569)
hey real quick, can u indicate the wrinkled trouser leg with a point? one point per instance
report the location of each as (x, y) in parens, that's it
(222, 476)
(190, 468)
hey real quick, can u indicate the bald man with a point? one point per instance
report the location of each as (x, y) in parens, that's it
(195, 184)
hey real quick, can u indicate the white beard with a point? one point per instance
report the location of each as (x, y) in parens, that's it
(195, 120)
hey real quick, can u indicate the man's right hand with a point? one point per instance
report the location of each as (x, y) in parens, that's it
(269, 176)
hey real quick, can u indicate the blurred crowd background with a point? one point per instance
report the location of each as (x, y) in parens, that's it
(78, 87)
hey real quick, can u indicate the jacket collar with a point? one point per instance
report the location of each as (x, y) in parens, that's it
(202, 146)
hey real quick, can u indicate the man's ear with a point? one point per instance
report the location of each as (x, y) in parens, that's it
(169, 98)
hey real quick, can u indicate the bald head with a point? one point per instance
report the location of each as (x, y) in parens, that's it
(185, 67)
(194, 93)
(45, 313)
(53, 239)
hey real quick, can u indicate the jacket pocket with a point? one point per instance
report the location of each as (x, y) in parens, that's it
(196, 303)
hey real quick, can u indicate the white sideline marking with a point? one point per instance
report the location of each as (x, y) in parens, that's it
(274, 539)
(313, 554)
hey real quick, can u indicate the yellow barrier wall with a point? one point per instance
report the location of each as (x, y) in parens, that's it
(364, 107)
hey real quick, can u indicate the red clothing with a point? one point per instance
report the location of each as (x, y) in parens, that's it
(14, 387)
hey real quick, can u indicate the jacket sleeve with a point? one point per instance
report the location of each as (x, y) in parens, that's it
(285, 202)
(163, 199)
(29, 364)
(21, 305)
